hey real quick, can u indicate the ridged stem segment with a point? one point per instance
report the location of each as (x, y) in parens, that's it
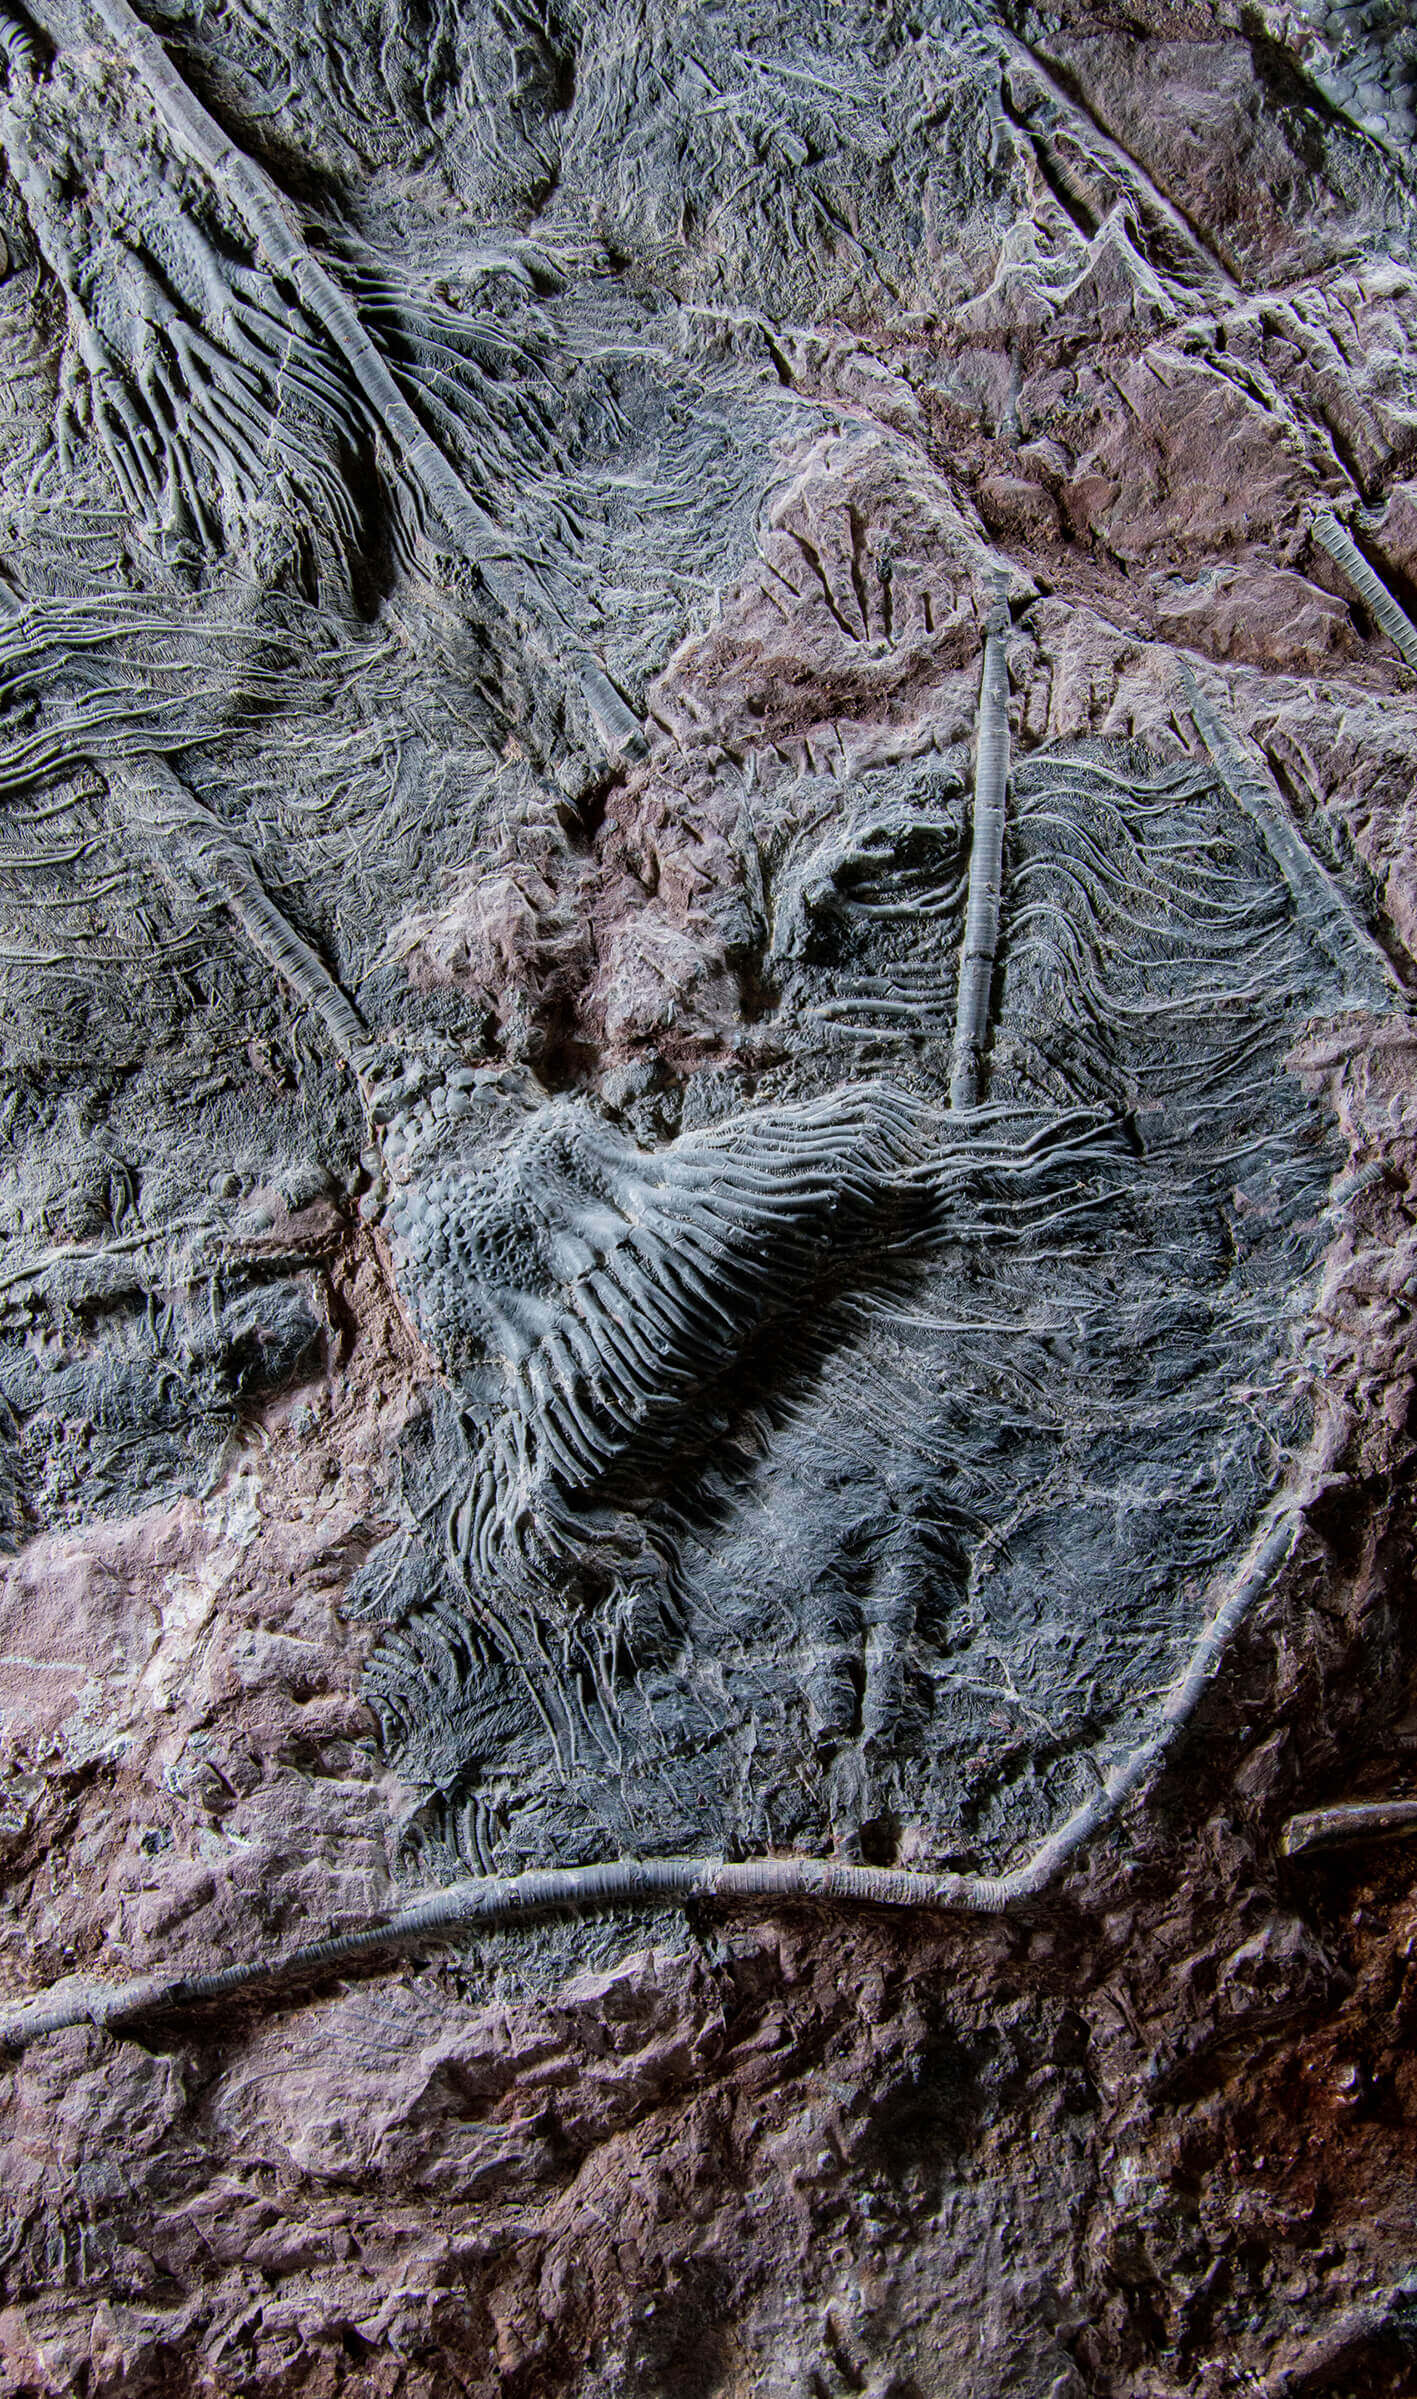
(193, 850)
(1371, 589)
(986, 864)
(187, 839)
(1318, 902)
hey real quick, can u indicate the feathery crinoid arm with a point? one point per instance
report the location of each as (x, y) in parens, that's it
(229, 377)
(509, 576)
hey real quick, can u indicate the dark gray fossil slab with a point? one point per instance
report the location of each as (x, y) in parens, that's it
(839, 1433)
(856, 1472)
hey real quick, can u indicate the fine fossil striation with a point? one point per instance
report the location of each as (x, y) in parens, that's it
(1345, 553)
(705, 1125)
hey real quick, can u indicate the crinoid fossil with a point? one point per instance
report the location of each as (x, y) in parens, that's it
(785, 1472)
(850, 1493)
(601, 1312)
(220, 365)
(839, 1467)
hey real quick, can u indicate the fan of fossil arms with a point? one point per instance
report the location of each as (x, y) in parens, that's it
(841, 1463)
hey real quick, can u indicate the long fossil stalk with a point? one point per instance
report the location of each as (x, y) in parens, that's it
(193, 850)
(1318, 901)
(188, 841)
(510, 578)
(1349, 1820)
(643, 1882)
(1371, 589)
(986, 858)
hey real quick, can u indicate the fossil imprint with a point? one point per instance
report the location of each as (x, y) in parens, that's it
(186, 373)
(585, 1298)
(631, 1332)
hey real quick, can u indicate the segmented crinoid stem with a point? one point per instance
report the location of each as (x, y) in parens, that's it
(1371, 589)
(19, 52)
(193, 851)
(509, 577)
(1319, 904)
(644, 1882)
(186, 839)
(1349, 1820)
(986, 858)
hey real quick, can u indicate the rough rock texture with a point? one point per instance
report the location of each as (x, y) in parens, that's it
(518, 1350)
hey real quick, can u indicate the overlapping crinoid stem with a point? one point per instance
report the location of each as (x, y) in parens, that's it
(850, 1470)
(206, 388)
(243, 386)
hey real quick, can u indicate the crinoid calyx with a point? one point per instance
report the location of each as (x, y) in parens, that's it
(855, 1460)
